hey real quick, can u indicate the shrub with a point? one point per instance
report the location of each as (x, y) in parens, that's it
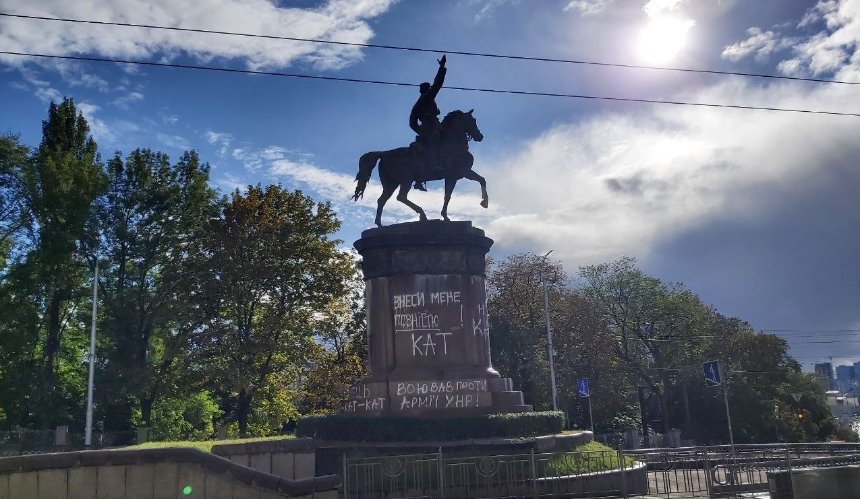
(404, 429)
(184, 418)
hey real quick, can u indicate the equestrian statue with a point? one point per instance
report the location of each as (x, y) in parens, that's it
(440, 152)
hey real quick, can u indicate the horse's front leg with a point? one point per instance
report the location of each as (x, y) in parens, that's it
(471, 175)
(401, 196)
(449, 188)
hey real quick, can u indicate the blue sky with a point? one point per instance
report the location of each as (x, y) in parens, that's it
(756, 211)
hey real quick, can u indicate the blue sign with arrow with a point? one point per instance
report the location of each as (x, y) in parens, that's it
(582, 387)
(713, 376)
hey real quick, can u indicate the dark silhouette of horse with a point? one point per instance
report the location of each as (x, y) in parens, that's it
(402, 166)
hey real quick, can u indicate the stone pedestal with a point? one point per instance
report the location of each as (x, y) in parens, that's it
(428, 337)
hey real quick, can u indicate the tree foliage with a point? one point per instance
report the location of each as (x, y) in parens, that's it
(210, 311)
(628, 332)
(151, 213)
(266, 266)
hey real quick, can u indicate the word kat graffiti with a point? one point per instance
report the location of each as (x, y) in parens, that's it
(424, 345)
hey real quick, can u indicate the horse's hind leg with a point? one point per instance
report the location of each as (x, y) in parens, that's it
(471, 175)
(401, 196)
(387, 191)
(449, 188)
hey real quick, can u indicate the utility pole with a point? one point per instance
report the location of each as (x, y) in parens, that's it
(88, 432)
(549, 334)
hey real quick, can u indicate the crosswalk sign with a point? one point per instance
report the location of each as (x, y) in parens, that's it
(582, 387)
(713, 376)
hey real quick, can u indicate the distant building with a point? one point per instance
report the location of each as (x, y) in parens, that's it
(846, 372)
(842, 407)
(824, 370)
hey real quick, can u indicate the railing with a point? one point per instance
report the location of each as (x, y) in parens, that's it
(25, 441)
(717, 471)
(557, 474)
(686, 472)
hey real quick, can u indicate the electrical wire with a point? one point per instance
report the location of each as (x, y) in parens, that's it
(400, 84)
(435, 51)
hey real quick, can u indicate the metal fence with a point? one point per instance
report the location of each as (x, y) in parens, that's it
(558, 474)
(719, 472)
(671, 473)
(25, 441)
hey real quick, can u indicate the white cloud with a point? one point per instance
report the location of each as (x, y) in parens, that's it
(834, 49)
(340, 20)
(100, 130)
(174, 141)
(597, 189)
(230, 183)
(220, 139)
(760, 43)
(123, 101)
(587, 7)
(48, 94)
(168, 119)
(655, 8)
(488, 6)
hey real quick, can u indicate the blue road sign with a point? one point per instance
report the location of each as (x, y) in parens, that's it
(713, 377)
(582, 387)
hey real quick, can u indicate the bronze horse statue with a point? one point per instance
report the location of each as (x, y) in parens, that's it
(402, 166)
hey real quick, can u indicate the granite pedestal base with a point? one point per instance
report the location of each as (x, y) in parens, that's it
(428, 333)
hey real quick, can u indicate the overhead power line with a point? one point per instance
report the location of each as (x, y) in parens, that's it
(401, 84)
(435, 51)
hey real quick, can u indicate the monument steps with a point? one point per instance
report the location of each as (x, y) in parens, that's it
(508, 398)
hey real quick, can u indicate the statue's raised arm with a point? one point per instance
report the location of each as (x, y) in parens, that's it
(440, 78)
(424, 118)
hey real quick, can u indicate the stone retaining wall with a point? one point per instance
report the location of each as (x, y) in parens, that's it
(149, 474)
(292, 458)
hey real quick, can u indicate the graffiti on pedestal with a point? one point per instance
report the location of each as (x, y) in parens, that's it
(430, 310)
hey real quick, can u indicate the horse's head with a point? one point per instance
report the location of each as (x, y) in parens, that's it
(457, 122)
(472, 126)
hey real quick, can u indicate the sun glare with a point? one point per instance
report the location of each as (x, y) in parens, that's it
(663, 38)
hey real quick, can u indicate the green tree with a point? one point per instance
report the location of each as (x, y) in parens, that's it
(16, 312)
(517, 321)
(14, 158)
(267, 265)
(184, 417)
(59, 184)
(147, 218)
(582, 347)
(339, 357)
(655, 327)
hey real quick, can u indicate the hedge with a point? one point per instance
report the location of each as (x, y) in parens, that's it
(405, 429)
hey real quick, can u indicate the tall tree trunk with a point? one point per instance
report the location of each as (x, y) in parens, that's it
(242, 412)
(146, 403)
(52, 338)
(664, 407)
(686, 411)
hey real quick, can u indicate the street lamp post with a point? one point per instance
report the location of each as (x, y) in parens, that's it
(549, 335)
(88, 431)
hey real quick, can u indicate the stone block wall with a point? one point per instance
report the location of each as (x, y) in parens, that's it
(149, 474)
(289, 458)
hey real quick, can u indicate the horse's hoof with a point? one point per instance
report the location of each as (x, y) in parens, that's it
(445, 218)
(485, 203)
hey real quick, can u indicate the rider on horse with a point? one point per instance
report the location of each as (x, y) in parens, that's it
(424, 118)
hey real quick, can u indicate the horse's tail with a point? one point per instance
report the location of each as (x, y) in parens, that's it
(366, 164)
